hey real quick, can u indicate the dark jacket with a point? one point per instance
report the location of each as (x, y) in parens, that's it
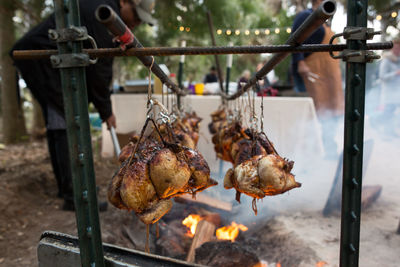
(44, 81)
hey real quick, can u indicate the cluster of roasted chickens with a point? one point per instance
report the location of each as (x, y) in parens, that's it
(158, 167)
(258, 169)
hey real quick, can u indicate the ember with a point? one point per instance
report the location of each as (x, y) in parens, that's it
(230, 232)
(321, 264)
(191, 222)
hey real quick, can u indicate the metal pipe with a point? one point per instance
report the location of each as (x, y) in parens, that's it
(114, 138)
(313, 22)
(221, 50)
(106, 15)
(114, 24)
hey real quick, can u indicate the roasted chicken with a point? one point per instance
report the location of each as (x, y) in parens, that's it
(158, 168)
(258, 169)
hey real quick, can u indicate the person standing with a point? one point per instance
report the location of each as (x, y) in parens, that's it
(212, 76)
(321, 75)
(45, 84)
(389, 75)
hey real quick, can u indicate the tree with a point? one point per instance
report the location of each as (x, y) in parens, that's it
(13, 127)
(226, 14)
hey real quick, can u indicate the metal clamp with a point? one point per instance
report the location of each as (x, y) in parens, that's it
(72, 33)
(358, 56)
(70, 60)
(359, 33)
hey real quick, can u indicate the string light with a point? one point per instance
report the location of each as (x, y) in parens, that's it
(181, 28)
(253, 31)
(188, 29)
(379, 17)
(394, 14)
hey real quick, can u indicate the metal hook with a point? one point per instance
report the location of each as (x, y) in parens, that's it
(150, 105)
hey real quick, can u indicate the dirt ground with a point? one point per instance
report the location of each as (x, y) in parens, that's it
(29, 206)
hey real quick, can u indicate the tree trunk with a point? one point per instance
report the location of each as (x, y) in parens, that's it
(13, 128)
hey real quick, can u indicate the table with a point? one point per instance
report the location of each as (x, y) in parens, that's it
(289, 122)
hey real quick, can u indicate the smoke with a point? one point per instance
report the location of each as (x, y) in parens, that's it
(315, 164)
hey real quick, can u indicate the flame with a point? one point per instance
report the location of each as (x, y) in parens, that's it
(230, 232)
(321, 264)
(278, 264)
(191, 222)
(261, 264)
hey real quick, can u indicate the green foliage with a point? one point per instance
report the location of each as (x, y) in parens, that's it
(226, 14)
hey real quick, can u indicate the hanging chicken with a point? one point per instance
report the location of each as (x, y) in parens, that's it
(158, 168)
(258, 169)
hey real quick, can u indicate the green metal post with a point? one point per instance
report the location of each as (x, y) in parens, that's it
(353, 142)
(180, 84)
(73, 82)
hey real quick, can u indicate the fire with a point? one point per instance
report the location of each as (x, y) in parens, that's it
(191, 222)
(230, 232)
(321, 264)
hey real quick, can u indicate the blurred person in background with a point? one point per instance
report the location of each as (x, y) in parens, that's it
(45, 84)
(321, 75)
(244, 78)
(212, 76)
(389, 74)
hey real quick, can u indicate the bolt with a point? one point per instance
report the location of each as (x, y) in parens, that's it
(356, 115)
(81, 157)
(356, 80)
(77, 121)
(352, 248)
(355, 150)
(359, 7)
(353, 216)
(89, 232)
(55, 60)
(53, 35)
(85, 195)
(371, 56)
(354, 182)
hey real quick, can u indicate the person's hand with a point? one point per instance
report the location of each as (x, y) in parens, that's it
(303, 69)
(111, 121)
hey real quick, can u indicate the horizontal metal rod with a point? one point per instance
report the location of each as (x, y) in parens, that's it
(175, 51)
(318, 17)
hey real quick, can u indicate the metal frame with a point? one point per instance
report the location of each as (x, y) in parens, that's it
(353, 141)
(75, 102)
(73, 81)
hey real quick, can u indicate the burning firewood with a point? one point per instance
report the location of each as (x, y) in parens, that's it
(204, 233)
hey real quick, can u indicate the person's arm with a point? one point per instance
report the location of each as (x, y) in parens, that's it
(98, 81)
